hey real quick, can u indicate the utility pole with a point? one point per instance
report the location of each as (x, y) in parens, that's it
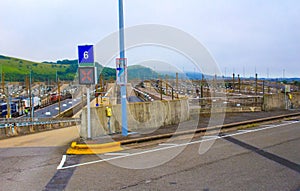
(233, 81)
(8, 104)
(177, 85)
(58, 91)
(256, 84)
(30, 97)
(101, 88)
(97, 94)
(166, 84)
(202, 84)
(6, 96)
(160, 85)
(3, 83)
(239, 81)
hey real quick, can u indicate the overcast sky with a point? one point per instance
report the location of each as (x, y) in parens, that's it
(243, 36)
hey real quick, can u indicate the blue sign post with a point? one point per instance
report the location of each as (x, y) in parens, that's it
(86, 55)
(86, 69)
(122, 67)
(121, 71)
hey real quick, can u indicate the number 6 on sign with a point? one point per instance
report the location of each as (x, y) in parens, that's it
(86, 55)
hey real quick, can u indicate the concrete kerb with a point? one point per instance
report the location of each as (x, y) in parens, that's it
(87, 149)
(116, 146)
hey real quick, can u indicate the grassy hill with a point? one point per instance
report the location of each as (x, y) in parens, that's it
(16, 69)
(141, 72)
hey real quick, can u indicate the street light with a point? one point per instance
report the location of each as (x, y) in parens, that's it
(122, 56)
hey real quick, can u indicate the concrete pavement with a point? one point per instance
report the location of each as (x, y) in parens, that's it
(255, 160)
(29, 162)
(250, 160)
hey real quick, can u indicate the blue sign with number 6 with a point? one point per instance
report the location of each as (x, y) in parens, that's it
(86, 54)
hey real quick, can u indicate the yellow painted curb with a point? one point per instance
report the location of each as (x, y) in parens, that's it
(86, 149)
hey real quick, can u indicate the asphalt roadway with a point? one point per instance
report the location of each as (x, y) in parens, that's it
(263, 158)
(52, 110)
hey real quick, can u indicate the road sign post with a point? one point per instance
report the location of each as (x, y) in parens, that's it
(87, 76)
(122, 57)
(121, 71)
(86, 55)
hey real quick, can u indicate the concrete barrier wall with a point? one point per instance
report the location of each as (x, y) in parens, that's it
(14, 129)
(277, 101)
(144, 115)
(273, 101)
(296, 100)
(194, 112)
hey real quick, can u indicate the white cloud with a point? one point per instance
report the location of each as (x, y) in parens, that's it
(240, 34)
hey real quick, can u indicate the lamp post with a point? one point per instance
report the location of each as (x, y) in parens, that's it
(122, 56)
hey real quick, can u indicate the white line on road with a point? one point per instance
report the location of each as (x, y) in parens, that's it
(174, 146)
(62, 162)
(289, 121)
(116, 154)
(167, 144)
(209, 137)
(245, 130)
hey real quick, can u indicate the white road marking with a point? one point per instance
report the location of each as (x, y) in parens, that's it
(209, 137)
(245, 130)
(168, 144)
(116, 154)
(174, 146)
(284, 122)
(267, 125)
(62, 162)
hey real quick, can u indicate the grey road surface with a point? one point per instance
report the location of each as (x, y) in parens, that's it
(265, 159)
(29, 162)
(260, 160)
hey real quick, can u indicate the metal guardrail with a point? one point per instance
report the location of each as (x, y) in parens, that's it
(35, 121)
(227, 101)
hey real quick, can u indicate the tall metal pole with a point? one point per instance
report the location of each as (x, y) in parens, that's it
(30, 97)
(255, 83)
(58, 92)
(239, 82)
(177, 85)
(122, 56)
(3, 83)
(233, 82)
(88, 112)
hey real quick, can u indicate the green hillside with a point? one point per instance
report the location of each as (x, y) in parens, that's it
(141, 72)
(18, 69)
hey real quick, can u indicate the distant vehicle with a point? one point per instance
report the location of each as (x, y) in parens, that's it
(54, 98)
(15, 109)
(36, 102)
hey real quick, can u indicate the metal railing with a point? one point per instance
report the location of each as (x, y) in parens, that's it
(226, 101)
(36, 121)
